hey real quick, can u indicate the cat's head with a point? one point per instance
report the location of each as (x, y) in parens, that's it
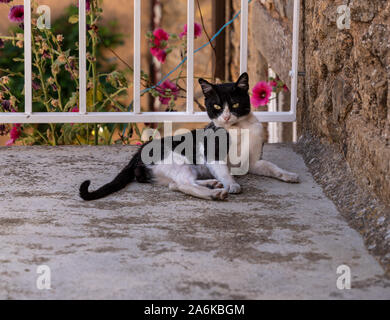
(227, 103)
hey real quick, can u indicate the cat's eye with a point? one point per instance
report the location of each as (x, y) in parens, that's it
(236, 105)
(217, 107)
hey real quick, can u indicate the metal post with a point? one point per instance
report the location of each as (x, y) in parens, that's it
(27, 58)
(137, 56)
(190, 56)
(295, 57)
(82, 57)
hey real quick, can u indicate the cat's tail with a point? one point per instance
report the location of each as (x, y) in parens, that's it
(121, 181)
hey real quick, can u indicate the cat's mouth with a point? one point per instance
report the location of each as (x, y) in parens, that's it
(226, 122)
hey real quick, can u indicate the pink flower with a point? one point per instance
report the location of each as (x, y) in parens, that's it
(285, 88)
(198, 31)
(14, 134)
(16, 14)
(261, 94)
(159, 36)
(159, 44)
(160, 54)
(168, 90)
(138, 143)
(273, 84)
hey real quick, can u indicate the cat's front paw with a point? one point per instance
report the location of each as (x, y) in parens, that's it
(233, 188)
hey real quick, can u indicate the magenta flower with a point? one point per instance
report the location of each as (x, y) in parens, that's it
(168, 90)
(159, 44)
(273, 84)
(14, 134)
(160, 35)
(261, 94)
(160, 54)
(16, 14)
(197, 32)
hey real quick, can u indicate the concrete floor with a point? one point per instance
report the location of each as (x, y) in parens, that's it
(274, 241)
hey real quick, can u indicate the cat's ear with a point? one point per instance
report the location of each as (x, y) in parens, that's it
(207, 88)
(243, 82)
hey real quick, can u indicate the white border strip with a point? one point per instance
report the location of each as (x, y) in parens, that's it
(27, 59)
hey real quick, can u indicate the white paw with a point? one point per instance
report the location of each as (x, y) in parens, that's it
(290, 177)
(234, 188)
(219, 194)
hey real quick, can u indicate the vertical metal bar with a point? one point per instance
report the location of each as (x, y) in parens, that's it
(137, 56)
(190, 56)
(82, 57)
(27, 58)
(244, 36)
(295, 57)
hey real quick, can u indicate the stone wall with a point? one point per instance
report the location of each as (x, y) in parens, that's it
(345, 95)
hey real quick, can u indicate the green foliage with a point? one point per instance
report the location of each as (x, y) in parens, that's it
(55, 76)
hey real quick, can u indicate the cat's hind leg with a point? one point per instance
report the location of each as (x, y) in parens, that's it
(268, 169)
(199, 191)
(183, 178)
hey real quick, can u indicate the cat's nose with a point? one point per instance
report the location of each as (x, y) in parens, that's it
(226, 117)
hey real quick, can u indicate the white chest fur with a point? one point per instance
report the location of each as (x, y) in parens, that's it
(250, 132)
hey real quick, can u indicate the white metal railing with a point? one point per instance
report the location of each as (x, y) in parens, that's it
(137, 116)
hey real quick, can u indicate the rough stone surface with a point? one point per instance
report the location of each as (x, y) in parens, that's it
(360, 207)
(347, 86)
(347, 97)
(275, 240)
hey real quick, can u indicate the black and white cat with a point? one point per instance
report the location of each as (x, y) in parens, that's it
(193, 171)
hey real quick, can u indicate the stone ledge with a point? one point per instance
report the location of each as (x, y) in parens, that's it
(359, 206)
(273, 241)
